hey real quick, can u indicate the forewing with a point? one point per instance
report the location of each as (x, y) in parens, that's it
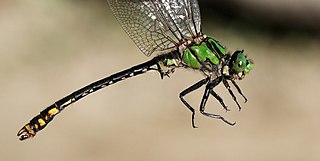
(158, 25)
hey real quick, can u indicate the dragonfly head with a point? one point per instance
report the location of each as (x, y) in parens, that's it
(239, 65)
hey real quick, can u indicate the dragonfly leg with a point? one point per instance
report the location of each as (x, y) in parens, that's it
(216, 96)
(188, 90)
(209, 90)
(226, 84)
(161, 72)
(238, 88)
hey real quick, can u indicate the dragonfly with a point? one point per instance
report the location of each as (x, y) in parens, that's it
(170, 30)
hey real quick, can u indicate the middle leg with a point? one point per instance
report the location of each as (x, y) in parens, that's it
(208, 90)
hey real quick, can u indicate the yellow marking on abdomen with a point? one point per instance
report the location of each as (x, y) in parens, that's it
(41, 122)
(28, 128)
(53, 111)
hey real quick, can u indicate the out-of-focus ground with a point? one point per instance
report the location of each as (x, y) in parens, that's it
(50, 48)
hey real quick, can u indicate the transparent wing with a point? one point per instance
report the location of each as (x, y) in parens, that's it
(158, 25)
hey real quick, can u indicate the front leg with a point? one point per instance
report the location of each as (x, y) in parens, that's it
(226, 84)
(238, 88)
(188, 90)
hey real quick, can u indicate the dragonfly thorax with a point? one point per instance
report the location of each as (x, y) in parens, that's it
(200, 54)
(211, 57)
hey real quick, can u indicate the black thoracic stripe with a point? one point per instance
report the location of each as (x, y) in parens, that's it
(214, 48)
(40, 121)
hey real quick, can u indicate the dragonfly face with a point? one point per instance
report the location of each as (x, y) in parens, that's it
(239, 65)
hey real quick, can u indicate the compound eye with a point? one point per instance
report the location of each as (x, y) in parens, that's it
(239, 65)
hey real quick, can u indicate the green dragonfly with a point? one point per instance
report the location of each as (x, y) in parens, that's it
(171, 30)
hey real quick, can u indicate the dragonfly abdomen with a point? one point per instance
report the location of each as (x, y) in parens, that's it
(41, 120)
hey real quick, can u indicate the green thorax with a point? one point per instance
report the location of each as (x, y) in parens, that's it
(208, 50)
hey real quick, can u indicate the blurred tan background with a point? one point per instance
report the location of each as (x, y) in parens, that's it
(49, 49)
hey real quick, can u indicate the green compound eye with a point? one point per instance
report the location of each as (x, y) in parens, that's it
(240, 63)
